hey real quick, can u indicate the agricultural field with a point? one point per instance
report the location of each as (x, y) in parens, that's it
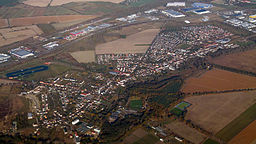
(214, 111)
(25, 21)
(61, 2)
(246, 136)
(140, 136)
(11, 35)
(210, 141)
(186, 132)
(128, 44)
(84, 56)
(244, 60)
(45, 3)
(41, 3)
(3, 23)
(238, 124)
(218, 80)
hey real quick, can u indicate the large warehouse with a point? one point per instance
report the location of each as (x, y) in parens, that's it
(172, 13)
(201, 11)
(21, 53)
(170, 4)
(202, 5)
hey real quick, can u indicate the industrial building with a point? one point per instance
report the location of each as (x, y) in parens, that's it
(201, 11)
(172, 13)
(21, 52)
(4, 58)
(175, 4)
(202, 5)
(190, 9)
(252, 16)
(51, 45)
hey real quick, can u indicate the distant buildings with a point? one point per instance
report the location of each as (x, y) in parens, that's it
(175, 4)
(201, 11)
(202, 5)
(21, 52)
(4, 58)
(172, 13)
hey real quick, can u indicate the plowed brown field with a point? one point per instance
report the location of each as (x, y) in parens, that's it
(246, 136)
(214, 111)
(218, 80)
(243, 60)
(48, 19)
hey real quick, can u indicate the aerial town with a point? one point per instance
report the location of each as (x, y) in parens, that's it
(128, 72)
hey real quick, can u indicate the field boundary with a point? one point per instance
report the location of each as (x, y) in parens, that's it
(234, 70)
(238, 124)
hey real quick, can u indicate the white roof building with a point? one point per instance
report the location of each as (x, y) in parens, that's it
(175, 4)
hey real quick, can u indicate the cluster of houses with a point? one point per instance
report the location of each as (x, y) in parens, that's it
(169, 51)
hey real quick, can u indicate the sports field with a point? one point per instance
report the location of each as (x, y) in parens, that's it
(246, 136)
(25, 21)
(214, 111)
(84, 56)
(238, 124)
(183, 105)
(11, 35)
(242, 60)
(135, 104)
(128, 45)
(186, 132)
(218, 80)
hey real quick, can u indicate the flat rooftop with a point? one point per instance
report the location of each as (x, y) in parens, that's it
(21, 52)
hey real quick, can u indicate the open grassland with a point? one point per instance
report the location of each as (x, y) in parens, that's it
(244, 60)
(186, 132)
(218, 80)
(238, 124)
(246, 136)
(128, 45)
(11, 104)
(48, 19)
(11, 35)
(214, 111)
(84, 56)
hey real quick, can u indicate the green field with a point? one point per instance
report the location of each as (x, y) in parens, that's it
(183, 105)
(142, 45)
(210, 141)
(135, 104)
(148, 139)
(176, 111)
(238, 124)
